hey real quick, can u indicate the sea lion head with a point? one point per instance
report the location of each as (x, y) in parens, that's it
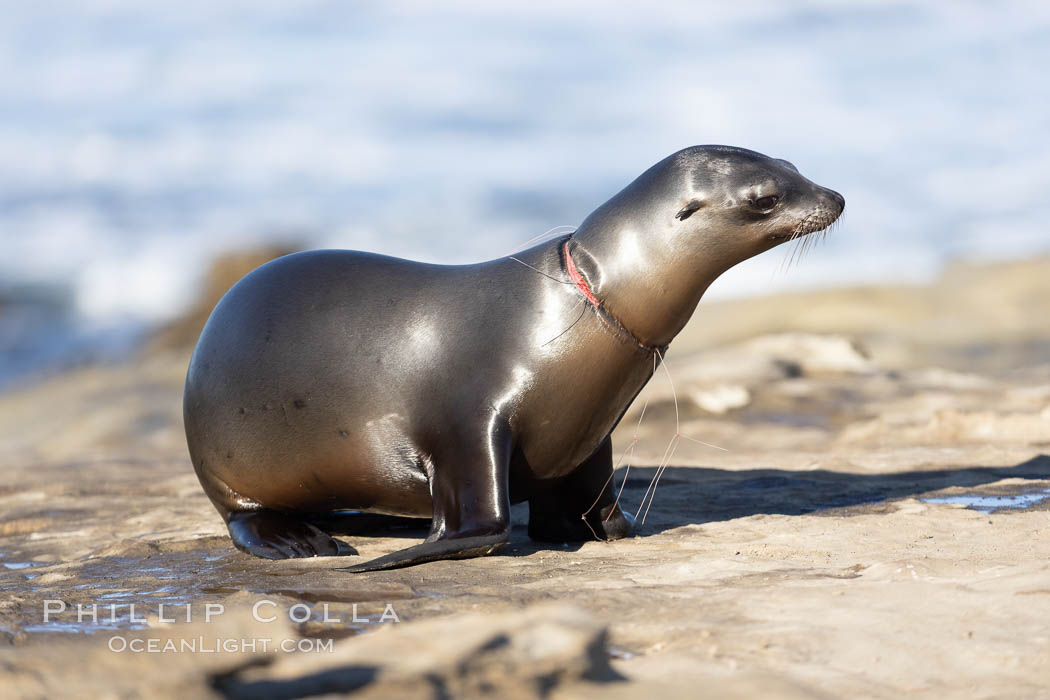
(744, 202)
(714, 205)
(651, 251)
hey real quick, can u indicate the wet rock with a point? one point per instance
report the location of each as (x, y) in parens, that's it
(729, 378)
(110, 667)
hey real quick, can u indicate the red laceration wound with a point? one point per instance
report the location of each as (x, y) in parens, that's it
(577, 278)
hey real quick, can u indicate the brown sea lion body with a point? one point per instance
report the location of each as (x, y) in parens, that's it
(332, 380)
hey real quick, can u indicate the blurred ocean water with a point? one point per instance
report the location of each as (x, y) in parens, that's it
(140, 139)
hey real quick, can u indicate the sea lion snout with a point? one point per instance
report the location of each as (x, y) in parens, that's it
(809, 208)
(829, 207)
(837, 199)
(814, 214)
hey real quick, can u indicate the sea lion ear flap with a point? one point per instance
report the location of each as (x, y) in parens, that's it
(687, 211)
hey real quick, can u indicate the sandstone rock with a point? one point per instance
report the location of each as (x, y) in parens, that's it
(813, 353)
(954, 427)
(521, 654)
(106, 666)
(778, 568)
(721, 398)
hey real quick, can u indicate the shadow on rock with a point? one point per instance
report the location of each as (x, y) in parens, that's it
(697, 495)
(693, 495)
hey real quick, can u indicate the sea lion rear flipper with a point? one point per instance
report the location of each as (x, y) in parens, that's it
(271, 534)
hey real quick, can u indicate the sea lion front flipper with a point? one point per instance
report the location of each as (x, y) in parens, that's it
(271, 534)
(582, 506)
(471, 500)
(462, 548)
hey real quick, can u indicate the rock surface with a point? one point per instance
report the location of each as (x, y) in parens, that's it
(519, 654)
(875, 525)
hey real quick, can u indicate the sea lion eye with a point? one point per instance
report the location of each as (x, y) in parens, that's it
(766, 203)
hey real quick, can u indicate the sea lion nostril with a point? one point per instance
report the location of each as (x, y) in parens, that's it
(838, 199)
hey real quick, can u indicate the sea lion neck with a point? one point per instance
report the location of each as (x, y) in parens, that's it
(581, 284)
(646, 277)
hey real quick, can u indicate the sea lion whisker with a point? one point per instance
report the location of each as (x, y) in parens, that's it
(805, 248)
(817, 240)
(794, 252)
(780, 266)
(789, 251)
(785, 260)
(803, 239)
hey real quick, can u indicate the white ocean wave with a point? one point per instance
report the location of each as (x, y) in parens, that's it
(139, 139)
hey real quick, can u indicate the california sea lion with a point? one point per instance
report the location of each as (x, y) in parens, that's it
(334, 379)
